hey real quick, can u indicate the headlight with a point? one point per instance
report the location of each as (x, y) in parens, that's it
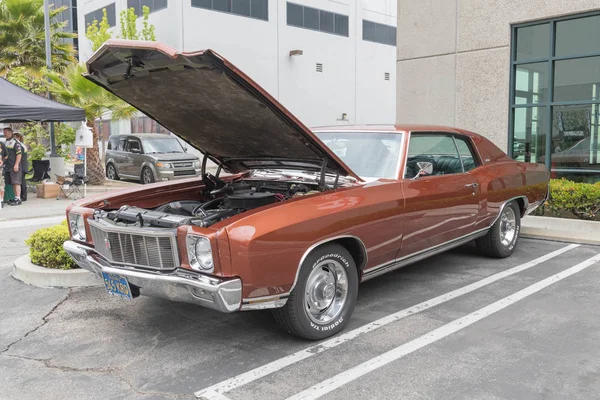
(77, 224)
(200, 253)
(196, 164)
(164, 165)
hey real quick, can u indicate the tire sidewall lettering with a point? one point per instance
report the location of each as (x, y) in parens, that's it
(331, 325)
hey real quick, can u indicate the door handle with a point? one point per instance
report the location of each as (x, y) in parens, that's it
(472, 185)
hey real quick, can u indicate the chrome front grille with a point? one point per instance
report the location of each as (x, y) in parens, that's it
(142, 247)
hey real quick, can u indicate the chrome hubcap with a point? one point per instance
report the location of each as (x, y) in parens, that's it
(147, 177)
(326, 291)
(508, 225)
(111, 173)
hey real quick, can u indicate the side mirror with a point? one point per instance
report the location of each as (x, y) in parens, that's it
(425, 168)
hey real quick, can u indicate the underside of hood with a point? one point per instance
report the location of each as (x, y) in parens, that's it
(212, 105)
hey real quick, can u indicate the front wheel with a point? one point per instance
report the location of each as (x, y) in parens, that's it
(147, 176)
(501, 240)
(111, 173)
(323, 300)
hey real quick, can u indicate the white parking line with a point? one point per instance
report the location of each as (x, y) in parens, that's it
(345, 377)
(215, 392)
(19, 223)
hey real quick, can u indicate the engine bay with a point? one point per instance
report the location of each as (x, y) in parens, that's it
(223, 200)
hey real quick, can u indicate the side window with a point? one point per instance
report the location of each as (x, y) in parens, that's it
(439, 150)
(466, 153)
(122, 144)
(113, 144)
(133, 145)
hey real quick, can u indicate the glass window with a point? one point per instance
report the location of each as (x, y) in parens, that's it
(247, 8)
(259, 9)
(311, 18)
(439, 150)
(222, 5)
(573, 36)
(530, 132)
(577, 79)
(320, 20)
(341, 25)
(202, 4)
(98, 15)
(567, 121)
(531, 83)
(533, 42)
(160, 145)
(370, 155)
(241, 7)
(466, 154)
(379, 33)
(295, 15)
(122, 144)
(576, 142)
(326, 22)
(133, 145)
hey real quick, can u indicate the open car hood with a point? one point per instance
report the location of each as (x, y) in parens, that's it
(215, 107)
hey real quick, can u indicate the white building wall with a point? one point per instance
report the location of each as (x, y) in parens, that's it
(375, 96)
(352, 81)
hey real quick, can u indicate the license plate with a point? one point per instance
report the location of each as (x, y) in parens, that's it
(117, 285)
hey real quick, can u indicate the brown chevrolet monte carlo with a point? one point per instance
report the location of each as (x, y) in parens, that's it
(293, 219)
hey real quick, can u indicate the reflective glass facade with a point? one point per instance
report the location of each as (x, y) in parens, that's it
(555, 96)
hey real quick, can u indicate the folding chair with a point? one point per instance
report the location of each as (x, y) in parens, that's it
(40, 170)
(72, 184)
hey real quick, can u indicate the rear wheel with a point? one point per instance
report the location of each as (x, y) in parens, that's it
(324, 297)
(501, 240)
(111, 173)
(147, 176)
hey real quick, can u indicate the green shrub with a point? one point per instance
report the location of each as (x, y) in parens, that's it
(580, 199)
(46, 247)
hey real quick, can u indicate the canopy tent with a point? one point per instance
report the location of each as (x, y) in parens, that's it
(20, 105)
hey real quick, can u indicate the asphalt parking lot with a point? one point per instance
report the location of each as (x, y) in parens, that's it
(456, 326)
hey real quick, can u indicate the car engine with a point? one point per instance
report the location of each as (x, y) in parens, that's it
(225, 200)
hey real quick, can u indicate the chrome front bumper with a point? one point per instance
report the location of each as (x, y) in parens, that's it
(178, 285)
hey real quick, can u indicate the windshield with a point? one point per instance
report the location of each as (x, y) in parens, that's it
(160, 145)
(370, 155)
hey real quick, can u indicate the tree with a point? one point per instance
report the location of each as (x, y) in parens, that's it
(74, 89)
(99, 32)
(23, 40)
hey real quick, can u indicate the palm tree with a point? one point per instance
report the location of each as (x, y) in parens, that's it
(71, 87)
(23, 41)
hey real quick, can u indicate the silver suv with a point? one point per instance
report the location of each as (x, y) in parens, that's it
(149, 157)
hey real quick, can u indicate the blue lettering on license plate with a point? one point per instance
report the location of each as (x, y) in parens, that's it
(117, 285)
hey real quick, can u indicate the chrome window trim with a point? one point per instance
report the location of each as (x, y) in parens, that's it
(147, 231)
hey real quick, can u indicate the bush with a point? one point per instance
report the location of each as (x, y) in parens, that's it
(46, 247)
(580, 199)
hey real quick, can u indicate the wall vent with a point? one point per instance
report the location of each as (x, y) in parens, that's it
(319, 67)
(387, 76)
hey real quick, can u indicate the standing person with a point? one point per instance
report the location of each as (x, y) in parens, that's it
(24, 165)
(2, 155)
(9, 194)
(12, 165)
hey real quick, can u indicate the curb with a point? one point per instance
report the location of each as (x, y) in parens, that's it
(25, 271)
(561, 229)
